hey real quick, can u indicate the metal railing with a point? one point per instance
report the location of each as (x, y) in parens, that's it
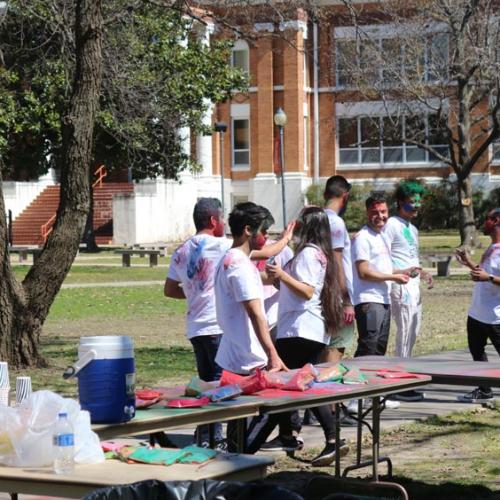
(47, 228)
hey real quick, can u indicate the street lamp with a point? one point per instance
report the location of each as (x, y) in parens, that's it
(221, 127)
(280, 122)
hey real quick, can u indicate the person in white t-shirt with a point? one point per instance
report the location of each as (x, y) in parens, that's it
(336, 196)
(310, 311)
(483, 321)
(373, 273)
(191, 276)
(406, 303)
(246, 343)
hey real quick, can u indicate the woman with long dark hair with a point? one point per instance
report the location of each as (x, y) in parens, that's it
(309, 312)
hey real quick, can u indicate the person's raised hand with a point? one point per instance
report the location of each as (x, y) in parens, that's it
(402, 279)
(288, 232)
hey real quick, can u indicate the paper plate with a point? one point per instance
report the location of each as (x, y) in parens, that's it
(187, 403)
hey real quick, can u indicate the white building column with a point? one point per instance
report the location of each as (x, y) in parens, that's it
(204, 142)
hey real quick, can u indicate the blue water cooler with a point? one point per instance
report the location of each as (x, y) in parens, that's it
(106, 377)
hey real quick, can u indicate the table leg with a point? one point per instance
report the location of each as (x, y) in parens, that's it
(241, 425)
(153, 259)
(211, 436)
(337, 440)
(125, 260)
(376, 435)
(359, 441)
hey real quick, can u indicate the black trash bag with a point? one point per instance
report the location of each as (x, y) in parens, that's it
(205, 489)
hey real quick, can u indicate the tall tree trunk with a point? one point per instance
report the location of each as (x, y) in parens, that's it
(24, 308)
(467, 225)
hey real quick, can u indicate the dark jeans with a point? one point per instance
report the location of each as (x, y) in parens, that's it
(295, 353)
(373, 321)
(478, 334)
(205, 349)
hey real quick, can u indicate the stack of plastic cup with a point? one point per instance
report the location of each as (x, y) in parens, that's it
(23, 389)
(4, 383)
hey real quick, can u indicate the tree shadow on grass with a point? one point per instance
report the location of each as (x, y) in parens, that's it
(298, 481)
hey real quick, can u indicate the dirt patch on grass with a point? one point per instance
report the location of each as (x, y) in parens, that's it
(161, 330)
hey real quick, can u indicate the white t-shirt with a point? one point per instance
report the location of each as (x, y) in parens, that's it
(402, 236)
(298, 317)
(485, 306)
(373, 247)
(341, 240)
(193, 264)
(271, 293)
(238, 280)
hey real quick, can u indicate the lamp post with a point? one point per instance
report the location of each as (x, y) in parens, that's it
(280, 122)
(221, 128)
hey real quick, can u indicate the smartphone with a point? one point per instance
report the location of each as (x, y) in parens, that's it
(271, 260)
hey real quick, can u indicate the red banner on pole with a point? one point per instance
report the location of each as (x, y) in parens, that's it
(277, 155)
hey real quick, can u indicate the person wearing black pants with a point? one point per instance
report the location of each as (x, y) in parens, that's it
(309, 311)
(483, 321)
(371, 257)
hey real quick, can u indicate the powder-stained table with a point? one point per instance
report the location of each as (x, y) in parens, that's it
(442, 371)
(280, 401)
(157, 419)
(87, 478)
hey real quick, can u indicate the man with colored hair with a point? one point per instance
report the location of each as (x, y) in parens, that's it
(373, 273)
(406, 303)
(483, 321)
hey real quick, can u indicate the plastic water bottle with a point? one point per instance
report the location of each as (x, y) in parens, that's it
(64, 445)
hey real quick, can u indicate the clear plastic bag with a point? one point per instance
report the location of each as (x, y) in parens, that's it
(26, 431)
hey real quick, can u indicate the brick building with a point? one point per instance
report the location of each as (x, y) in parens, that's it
(297, 65)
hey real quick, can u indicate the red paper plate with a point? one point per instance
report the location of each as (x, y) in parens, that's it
(147, 394)
(187, 403)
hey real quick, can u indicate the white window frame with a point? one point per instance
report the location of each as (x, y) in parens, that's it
(381, 164)
(241, 46)
(240, 112)
(495, 147)
(378, 33)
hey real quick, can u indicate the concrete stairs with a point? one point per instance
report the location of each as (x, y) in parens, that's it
(26, 228)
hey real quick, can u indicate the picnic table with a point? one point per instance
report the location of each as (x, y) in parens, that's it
(87, 478)
(126, 253)
(440, 260)
(159, 418)
(341, 393)
(25, 251)
(442, 371)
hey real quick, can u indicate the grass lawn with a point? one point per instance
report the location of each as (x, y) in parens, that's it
(470, 441)
(452, 457)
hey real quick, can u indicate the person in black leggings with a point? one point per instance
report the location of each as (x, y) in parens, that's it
(310, 308)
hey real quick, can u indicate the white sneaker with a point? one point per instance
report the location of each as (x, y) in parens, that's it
(352, 406)
(391, 405)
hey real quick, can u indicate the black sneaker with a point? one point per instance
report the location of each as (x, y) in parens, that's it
(281, 443)
(327, 456)
(408, 396)
(476, 396)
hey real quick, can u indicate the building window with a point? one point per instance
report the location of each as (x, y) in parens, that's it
(241, 142)
(240, 56)
(386, 140)
(496, 150)
(379, 56)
